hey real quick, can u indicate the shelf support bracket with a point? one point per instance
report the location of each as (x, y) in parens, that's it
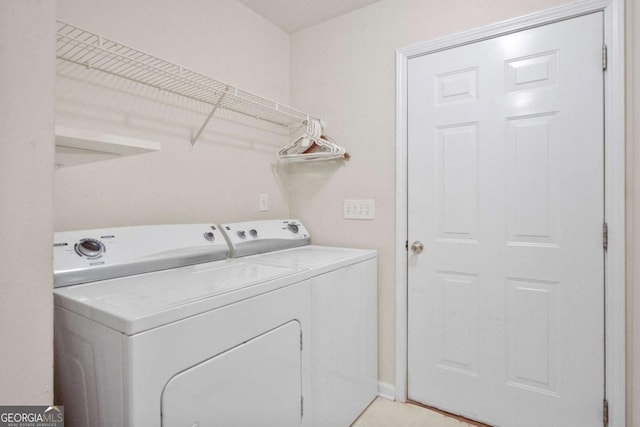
(194, 139)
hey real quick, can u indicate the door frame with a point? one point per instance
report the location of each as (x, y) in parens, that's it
(614, 110)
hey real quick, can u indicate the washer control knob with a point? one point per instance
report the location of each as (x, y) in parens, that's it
(292, 228)
(253, 232)
(91, 248)
(241, 234)
(210, 236)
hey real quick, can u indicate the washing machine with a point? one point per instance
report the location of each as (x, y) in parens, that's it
(154, 326)
(344, 365)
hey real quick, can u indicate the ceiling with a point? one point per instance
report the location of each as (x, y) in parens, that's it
(295, 15)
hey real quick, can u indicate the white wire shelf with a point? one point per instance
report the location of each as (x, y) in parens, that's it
(90, 50)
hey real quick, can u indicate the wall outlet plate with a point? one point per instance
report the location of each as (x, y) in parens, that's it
(264, 202)
(359, 208)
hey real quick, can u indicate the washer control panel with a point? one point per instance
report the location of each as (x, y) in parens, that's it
(90, 255)
(90, 248)
(254, 237)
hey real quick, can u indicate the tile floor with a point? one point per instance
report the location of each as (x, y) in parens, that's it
(386, 413)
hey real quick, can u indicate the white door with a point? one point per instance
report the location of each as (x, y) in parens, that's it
(505, 167)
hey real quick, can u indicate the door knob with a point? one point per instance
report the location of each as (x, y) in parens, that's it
(417, 246)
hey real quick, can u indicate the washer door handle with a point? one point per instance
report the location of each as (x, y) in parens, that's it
(417, 246)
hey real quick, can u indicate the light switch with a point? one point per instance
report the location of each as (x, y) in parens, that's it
(359, 209)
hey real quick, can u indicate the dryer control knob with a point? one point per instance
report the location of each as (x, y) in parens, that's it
(292, 228)
(90, 248)
(209, 236)
(241, 234)
(253, 232)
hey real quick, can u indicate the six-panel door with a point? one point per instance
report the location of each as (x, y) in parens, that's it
(506, 193)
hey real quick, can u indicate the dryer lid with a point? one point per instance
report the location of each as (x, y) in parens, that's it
(137, 303)
(313, 256)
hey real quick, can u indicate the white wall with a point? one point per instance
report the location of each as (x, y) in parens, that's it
(344, 71)
(221, 179)
(26, 167)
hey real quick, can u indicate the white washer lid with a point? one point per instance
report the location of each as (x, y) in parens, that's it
(136, 303)
(324, 258)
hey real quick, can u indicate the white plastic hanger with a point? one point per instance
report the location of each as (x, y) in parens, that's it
(312, 146)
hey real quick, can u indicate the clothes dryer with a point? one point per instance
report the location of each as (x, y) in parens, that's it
(344, 308)
(154, 327)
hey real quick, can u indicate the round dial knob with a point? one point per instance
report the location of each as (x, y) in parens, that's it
(292, 228)
(209, 236)
(242, 234)
(253, 232)
(90, 248)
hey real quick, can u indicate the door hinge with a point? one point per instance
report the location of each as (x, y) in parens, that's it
(605, 236)
(300, 340)
(406, 244)
(301, 406)
(605, 57)
(605, 412)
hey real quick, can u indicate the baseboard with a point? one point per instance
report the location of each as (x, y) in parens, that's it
(386, 390)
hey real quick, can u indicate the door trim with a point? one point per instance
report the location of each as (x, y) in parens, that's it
(613, 10)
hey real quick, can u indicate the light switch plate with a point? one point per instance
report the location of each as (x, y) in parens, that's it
(359, 209)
